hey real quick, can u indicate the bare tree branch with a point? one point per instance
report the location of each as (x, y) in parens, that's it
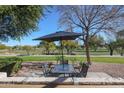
(92, 20)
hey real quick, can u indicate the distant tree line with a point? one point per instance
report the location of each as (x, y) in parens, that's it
(95, 43)
(19, 21)
(116, 44)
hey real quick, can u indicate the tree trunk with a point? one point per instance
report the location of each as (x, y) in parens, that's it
(68, 51)
(95, 48)
(121, 54)
(111, 52)
(122, 51)
(87, 48)
(27, 52)
(87, 52)
(48, 52)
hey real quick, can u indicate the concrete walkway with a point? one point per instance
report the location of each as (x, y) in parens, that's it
(97, 75)
(58, 86)
(62, 81)
(93, 78)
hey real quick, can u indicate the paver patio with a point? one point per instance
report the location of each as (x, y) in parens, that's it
(98, 75)
(93, 78)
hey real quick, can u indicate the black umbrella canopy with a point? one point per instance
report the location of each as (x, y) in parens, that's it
(61, 35)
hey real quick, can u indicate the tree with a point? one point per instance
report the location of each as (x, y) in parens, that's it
(112, 45)
(17, 21)
(95, 42)
(47, 46)
(69, 45)
(17, 47)
(91, 20)
(120, 34)
(2, 46)
(120, 42)
(120, 46)
(27, 48)
(9, 48)
(116, 44)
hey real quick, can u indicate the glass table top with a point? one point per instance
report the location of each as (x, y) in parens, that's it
(66, 68)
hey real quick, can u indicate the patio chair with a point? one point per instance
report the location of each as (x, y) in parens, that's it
(46, 70)
(83, 71)
(77, 70)
(77, 67)
(50, 65)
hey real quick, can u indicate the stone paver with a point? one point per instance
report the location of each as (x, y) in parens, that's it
(3, 74)
(97, 75)
(36, 80)
(93, 78)
(68, 81)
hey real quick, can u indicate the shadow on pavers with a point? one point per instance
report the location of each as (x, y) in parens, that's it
(53, 84)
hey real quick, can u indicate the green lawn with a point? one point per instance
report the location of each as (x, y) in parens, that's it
(83, 59)
(108, 59)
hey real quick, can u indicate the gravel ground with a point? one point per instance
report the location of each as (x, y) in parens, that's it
(114, 70)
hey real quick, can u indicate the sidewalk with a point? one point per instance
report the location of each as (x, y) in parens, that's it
(93, 78)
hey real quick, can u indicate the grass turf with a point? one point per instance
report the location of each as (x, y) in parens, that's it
(76, 58)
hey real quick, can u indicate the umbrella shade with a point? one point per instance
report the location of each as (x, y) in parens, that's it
(61, 35)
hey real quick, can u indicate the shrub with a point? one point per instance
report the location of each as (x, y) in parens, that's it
(10, 65)
(17, 66)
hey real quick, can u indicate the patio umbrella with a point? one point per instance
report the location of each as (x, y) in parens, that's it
(59, 36)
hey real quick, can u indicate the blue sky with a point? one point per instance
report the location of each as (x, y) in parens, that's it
(47, 25)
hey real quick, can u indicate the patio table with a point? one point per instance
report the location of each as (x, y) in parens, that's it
(68, 69)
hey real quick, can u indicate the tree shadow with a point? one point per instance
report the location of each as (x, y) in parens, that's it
(54, 84)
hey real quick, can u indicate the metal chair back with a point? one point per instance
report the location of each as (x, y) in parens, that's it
(84, 69)
(45, 69)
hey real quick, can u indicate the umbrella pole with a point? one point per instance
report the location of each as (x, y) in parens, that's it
(62, 52)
